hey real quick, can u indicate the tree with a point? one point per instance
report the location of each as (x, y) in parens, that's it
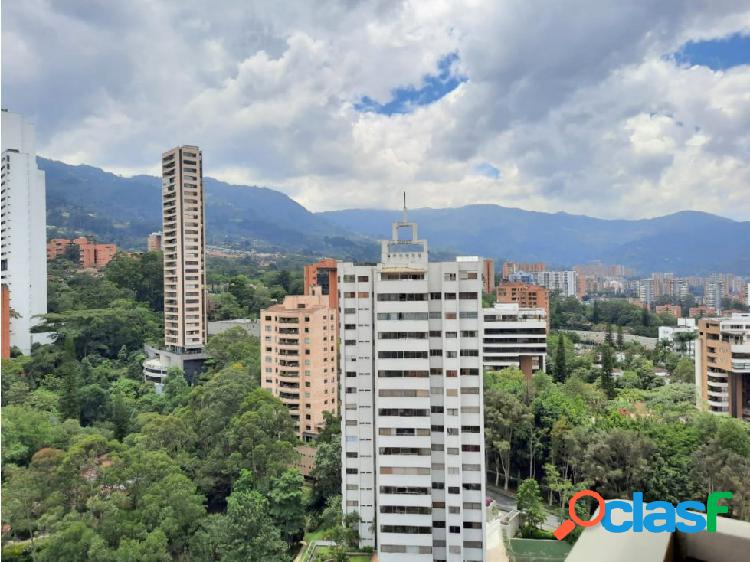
(326, 474)
(251, 534)
(531, 506)
(684, 371)
(142, 274)
(608, 340)
(70, 400)
(560, 365)
(225, 306)
(286, 505)
(121, 416)
(607, 380)
(595, 319)
(236, 348)
(620, 338)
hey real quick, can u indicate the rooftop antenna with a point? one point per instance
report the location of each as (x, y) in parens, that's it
(406, 215)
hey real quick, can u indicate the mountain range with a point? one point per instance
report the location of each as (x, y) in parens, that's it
(83, 200)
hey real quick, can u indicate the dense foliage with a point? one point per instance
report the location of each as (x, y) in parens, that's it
(569, 436)
(571, 314)
(98, 466)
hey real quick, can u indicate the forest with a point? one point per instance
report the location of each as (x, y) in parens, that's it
(98, 466)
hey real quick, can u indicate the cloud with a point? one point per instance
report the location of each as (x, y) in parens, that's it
(582, 106)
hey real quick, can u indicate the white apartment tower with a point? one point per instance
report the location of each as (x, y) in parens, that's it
(24, 230)
(564, 282)
(183, 240)
(411, 392)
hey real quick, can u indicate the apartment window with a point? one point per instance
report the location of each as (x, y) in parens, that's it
(435, 333)
(403, 412)
(404, 490)
(454, 529)
(472, 525)
(402, 393)
(402, 354)
(352, 471)
(468, 334)
(435, 296)
(405, 470)
(474, 487)
(348, 278)
(470, 390)
(468, 296)
(363, 278)
(401, 297)
(399, 373)
(406, 529)
(450, 296)
(450, 315)
(406, 509)
(470, 428)
(469, 353)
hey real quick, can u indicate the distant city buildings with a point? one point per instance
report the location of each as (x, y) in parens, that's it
(90, 254)
(565, 283)
(702, 310)
(722, 365)
(714, 294)
(153, 244)
(646, 292)
(412, 415)
(183, 243)
(514, 336)
(24, 232)
(299, 359)
(510, 267)
(673, 309)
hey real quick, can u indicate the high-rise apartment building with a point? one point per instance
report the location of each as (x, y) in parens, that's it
(646, 292)
(722, 365)
(412, 413)
(298, 359)
(514, 337)
(153, 243)
(713, 294)
(322, 274)
(24, 230)
(183, 243)
(523, 294)
(563, 282)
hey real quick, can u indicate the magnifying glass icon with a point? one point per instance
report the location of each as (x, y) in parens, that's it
(569, 524)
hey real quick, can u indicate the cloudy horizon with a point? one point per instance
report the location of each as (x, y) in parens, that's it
(611, 109)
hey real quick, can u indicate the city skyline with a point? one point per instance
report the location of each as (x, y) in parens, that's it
(634, 123)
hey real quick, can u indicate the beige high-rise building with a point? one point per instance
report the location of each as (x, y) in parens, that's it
(154, 242)
(298, 358)
(722, 365)
(183, 241)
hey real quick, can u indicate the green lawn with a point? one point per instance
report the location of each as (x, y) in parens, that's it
(531, 550)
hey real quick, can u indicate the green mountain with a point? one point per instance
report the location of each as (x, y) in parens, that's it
(685, 243)
(89, 201)
(83, 200)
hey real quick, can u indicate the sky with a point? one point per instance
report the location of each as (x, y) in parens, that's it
(606, 108)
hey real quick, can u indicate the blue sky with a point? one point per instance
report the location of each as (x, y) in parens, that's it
(434, 87)
(719, 54)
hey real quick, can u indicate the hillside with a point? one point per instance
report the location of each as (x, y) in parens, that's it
(89, 201)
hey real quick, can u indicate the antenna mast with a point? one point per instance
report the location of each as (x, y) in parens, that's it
(406, 216)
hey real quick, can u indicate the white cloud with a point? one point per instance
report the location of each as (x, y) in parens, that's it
(574, 103)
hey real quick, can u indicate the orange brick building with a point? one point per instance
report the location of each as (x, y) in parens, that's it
(673, 309)
(91, 255)
(701, 310)
(323, 274)
(527, 296)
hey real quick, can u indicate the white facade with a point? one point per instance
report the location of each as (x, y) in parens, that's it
(646, 291)
(24, 230)
(680, 344)
(564, 282)
(514, 337)
(412, 414)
